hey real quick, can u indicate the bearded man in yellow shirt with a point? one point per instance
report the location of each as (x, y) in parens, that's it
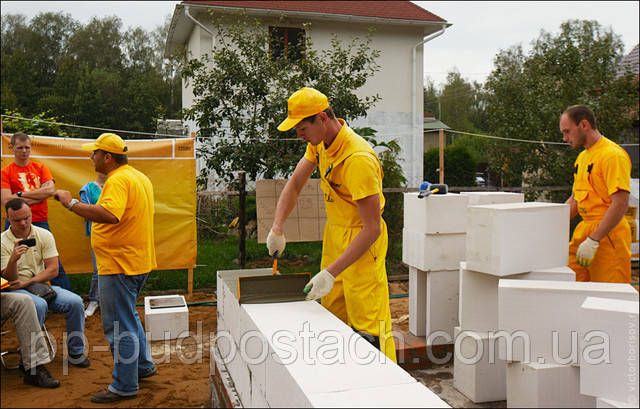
(600, 249)
(122, 240)
(353, 281)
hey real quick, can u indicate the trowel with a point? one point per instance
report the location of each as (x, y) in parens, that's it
(272, 288)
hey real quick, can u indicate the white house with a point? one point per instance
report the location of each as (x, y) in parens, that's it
(401, 30)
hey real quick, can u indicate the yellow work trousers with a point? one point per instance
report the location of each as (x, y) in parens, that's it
(360, 294)
(612, 262)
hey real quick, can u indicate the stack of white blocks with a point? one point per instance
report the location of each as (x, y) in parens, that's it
(548, 369)
(298, 354)
(433, 241)
(612, 377)
(501, 238)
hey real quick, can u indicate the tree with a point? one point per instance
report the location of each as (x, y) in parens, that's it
(431, 99)
(241, 90)
(527, 95)
(459, 168)
(94, 74)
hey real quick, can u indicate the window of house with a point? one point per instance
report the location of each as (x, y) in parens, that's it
(286, 42)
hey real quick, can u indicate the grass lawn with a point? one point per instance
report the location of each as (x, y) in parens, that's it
(222, 254)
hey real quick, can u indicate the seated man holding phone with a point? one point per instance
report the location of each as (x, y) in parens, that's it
(29, 261)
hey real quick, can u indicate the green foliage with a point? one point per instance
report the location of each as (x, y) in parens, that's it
(241, 95)
(459, 166)
(98, 73)
(11, 125)
(527, 94)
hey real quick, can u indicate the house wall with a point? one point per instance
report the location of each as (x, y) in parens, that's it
(392, 115)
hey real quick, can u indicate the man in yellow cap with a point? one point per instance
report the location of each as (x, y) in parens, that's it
(353, 281)
(600, 249)
(122, 239)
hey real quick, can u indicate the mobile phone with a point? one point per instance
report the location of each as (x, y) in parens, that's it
(28, 242)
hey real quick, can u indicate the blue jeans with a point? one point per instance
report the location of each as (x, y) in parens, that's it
(123, 330)
(61, 280)
(94, 294)
(70, 304)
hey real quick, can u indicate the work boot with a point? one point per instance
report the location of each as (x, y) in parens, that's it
(41, 379)
(106, 396)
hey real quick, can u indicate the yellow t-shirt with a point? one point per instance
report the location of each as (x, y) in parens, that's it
(350, 167)
(600, 171)
(126, 247)
(32, 262)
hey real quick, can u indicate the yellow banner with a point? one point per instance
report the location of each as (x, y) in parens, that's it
(169, 163)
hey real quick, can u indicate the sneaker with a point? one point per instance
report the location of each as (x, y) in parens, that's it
(106, 396)
(91, 308)
(147, 373)
(41, 379)
(80, 361)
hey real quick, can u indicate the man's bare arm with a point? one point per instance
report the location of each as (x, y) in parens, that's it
(613, 215)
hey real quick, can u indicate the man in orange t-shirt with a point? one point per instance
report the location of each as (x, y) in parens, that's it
(33, 182)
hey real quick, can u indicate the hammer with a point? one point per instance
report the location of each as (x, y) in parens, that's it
(435, 189)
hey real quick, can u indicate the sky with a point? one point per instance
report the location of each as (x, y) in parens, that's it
(480, 28)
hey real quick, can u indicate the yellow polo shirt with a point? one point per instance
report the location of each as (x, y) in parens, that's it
(32, 262)
(126, 247)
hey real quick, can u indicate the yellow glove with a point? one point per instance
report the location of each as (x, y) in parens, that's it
(275, 243)
(319, 285)
(586, 252)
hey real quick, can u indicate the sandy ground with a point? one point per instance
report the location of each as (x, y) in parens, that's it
(183, 367)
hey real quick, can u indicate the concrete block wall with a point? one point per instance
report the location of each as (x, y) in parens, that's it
(513, 238)
(538, 309)
(477, 373)
(298, 354)
(615, 361)
(435, 214)
(478, 307)
(417, 302)
(487, 198)
(536, 385)
(429, 252)
(442, 306)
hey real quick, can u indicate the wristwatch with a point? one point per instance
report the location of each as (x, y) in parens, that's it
(19, 194)
(71, 203)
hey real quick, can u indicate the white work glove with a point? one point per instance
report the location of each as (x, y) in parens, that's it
(586, 252)
(319, 285)
(275, 243)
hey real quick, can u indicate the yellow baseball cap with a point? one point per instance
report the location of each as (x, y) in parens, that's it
(303, 103)
(108, 142)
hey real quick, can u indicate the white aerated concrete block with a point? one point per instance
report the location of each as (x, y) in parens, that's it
(417, 302)
(486, 198)
(610, 403)
(478, 308)
(539, 309)
(478, 373)
(616, 360)
(241, 376)
(442, 306)
(435, 214)
(513, 238)
(316, 353)
(413, 395)
(171, 322)
(428, 252)
(545, 386)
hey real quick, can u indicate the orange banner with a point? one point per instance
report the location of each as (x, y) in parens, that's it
(169, 163)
